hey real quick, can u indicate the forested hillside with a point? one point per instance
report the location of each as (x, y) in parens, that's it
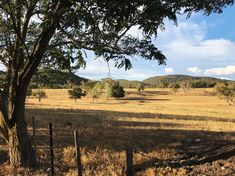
(128, 84)
(50, 78)
(196, 82)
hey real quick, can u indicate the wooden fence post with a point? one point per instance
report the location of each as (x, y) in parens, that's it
(129, 161)
(78, 154)
(51, 149)
(34, 137)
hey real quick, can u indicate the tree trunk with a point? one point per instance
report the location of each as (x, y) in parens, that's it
(21, 152)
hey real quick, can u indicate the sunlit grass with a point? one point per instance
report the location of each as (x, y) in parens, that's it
(155, 122)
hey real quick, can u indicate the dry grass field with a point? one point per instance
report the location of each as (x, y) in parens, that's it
(171, 135)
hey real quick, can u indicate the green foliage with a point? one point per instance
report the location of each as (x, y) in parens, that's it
(204, 83)
(88, 86)
(40, 94)
(196, 82)
(118, 91)
(174, 87)
(76, 93)
(140, 87)
(112, 88)
(102, 29)
(186, 85)
(129, 84)
(49, 78)
(226, 92)
(97, 90)
(163, 82)
(29, 92)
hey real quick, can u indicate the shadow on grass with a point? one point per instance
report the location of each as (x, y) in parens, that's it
(105, 130)
(146, 99)
(105, 114)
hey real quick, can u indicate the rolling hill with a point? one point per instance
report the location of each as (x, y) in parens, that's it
(50, 78)
(200, 81)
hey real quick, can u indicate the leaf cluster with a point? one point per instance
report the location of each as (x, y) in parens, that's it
(226, 92)
(76, 93)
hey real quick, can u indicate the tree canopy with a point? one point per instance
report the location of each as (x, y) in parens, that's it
(226, 92)
(76, 93)
(60, 31)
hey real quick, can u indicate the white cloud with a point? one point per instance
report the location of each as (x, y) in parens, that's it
(186, 30)
(194, 70)
(98, 69)
(214, 50)
(169, 70)
(229, 70)
(187, 42)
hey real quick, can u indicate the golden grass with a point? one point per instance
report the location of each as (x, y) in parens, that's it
(155, 122)
(196, 110)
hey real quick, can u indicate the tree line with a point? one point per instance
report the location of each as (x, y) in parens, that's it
(106, 88)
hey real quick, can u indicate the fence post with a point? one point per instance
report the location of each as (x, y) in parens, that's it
(51, 149)
(34, 137)
(78, 154)
(129, 161)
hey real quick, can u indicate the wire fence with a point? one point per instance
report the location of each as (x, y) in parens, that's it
(45, 138)
(48, 140)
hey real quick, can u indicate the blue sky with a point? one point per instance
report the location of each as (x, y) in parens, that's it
(198, 46)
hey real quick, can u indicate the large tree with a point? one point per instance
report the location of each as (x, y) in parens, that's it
(34, 33)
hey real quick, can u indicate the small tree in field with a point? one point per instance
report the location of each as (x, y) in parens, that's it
(97, 90)
(112, 89)
(76, 93)
(186, 85)
(140, 87)
(87, 87)
(226, 92)
(174, 87)
(118, 91)
(40, 94)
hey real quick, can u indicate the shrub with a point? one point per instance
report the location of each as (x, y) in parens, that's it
(140, 87)
(40, 94)
(174, 87)
(76, 93)
(226, 92)
(118, 91)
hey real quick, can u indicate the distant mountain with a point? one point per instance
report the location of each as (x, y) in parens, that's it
(49, 78)
(197, 81)
(55, 79)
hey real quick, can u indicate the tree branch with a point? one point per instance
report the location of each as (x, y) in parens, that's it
(39, 49)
